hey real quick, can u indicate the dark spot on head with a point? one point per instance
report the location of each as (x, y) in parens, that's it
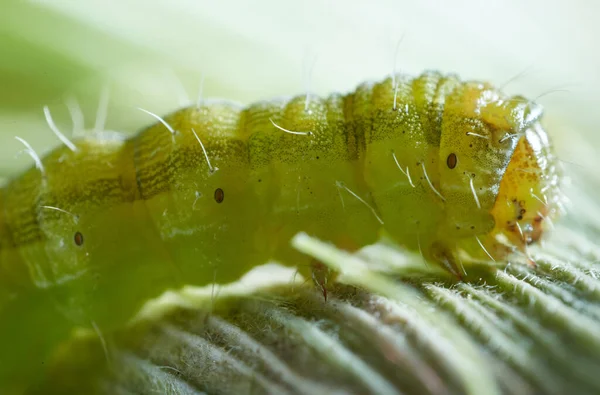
(472, 226)
(259, 180)
(457, 227)
(78, 238)
(452, 161)
(219, 195)
(520, 217)
(317, 157)
(470, 145)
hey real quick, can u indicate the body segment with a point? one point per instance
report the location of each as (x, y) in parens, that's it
(452, 168)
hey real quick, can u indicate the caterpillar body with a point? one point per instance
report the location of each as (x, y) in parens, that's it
(453, 169)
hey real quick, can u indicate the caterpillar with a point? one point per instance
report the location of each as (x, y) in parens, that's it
(454, 169)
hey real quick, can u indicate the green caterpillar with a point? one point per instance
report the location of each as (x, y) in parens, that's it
(454, 169)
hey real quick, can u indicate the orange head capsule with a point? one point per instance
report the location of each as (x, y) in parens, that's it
(513, 177)
(529, 197)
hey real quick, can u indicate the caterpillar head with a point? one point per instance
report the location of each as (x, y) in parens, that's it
(514, 177)
(459, 169)
(529, 197)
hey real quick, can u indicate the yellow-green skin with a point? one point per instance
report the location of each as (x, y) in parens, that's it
(146, 207)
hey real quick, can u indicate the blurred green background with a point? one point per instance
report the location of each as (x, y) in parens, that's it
(153, 54)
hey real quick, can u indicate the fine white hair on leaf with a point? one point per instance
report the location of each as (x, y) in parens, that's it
(340, 184)
(159, 119)
(57, 132)
(290, 131)
(31, 152)
(430, 184)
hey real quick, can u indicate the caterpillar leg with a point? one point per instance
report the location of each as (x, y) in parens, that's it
(446, 259)
(322, 276)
